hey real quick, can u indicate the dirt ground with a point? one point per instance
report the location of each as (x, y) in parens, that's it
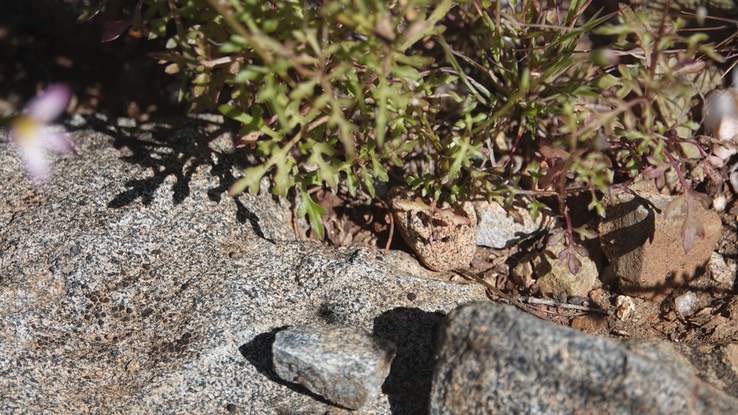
(119, 79)
(713, 319)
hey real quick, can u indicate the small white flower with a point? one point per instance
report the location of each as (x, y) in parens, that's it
(33, 137)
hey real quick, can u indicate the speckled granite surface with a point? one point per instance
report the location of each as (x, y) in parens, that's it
(131, 283)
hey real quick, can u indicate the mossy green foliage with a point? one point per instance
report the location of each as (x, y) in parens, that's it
(466, 99)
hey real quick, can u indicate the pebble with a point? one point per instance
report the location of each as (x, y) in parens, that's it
(344, 364)
(553, 275)
(684, 303)
(625, 306)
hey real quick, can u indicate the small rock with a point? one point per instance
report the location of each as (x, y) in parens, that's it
(684, 303)
(498, 228)
(720, 202)
(553, 274)
(496, 359)
(440, 244)
(625, 307)
(645, 248)
(344, 364)
(722, 274)
(589, 323)
(721, 120)
(600, 298)
(522, 274)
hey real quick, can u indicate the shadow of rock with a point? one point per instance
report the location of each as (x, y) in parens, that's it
(414, 332)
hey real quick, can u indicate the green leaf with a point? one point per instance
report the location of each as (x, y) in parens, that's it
(381, 96)
(423, 28)
(235, 113)
(351, 183)
(251, 179)
(282, 178)
(606, 81)
(313, 211)
(249, 74)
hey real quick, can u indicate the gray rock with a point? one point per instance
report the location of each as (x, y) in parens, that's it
(498, 228)
(722, 275)
(344, 364)
(131, 283)
(494, 358)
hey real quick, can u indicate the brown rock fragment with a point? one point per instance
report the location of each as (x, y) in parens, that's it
(440, 244)
(645, 248)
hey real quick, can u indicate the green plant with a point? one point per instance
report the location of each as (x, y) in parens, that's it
(326, 92)
(460, 99)
(656, 92)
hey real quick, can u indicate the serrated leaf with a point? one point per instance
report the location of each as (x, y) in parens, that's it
(313, 211)
(282, 178)
(303, 90)
(251, 179)
(585, 233)
(420, 29)
(599, 206)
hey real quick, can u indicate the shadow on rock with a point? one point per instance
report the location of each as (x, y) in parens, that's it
(259, 353)
(414, 332)
(243, 215)
(172, 146)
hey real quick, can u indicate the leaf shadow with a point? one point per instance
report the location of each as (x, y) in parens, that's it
(178, 147)
(627, 237)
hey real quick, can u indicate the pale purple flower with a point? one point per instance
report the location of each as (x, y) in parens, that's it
(34, 137)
